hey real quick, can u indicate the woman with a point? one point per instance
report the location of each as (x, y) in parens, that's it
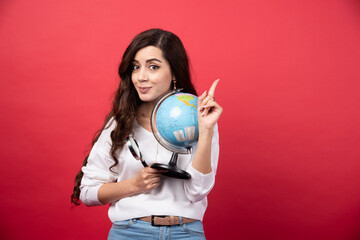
(154, 63)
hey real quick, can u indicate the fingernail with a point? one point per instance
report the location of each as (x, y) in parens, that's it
(204, 93)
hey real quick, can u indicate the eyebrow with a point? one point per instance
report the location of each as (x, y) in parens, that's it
(150, 60)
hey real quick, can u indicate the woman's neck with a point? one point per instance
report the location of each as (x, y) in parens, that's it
(144, 114)
(145, 109)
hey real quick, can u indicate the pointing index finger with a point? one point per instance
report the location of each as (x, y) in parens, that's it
(213, 87)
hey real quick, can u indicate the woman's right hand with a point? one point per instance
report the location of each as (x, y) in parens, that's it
(147, 179)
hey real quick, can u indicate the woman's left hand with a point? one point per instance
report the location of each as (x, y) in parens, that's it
(209, 111)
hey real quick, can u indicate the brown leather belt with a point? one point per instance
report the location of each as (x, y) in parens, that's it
(166, 220)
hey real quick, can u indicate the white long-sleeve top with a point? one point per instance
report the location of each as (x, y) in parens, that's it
(176, 197)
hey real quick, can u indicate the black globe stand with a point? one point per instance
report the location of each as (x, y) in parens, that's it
(172, 170)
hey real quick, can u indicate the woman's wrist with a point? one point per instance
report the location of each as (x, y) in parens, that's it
(134, 186)
(206, 132)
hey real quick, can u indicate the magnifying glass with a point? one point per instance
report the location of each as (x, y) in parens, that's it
(134, 149)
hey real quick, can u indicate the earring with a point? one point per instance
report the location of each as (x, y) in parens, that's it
(174, 81)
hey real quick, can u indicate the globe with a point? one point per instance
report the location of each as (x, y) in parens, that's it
(174, 121)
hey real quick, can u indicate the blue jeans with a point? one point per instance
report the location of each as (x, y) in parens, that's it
(137, 229)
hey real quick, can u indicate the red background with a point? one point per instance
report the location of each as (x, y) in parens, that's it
(290, 132)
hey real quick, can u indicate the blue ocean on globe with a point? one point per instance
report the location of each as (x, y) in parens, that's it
(176, 119)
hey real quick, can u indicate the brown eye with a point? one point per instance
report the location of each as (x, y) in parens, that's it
(135, 67)
(154, 67)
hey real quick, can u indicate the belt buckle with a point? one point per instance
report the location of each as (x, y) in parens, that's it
(153, 220)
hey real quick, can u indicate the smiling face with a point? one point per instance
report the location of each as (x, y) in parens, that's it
(151, 74)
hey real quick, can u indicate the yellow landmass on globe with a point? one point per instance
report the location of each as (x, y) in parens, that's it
(186, 99)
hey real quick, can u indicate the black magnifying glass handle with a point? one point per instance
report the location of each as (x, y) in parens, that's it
(143, 163)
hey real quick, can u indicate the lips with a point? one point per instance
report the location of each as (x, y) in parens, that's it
(144, 89)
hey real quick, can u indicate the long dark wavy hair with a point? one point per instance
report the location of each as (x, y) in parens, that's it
(126, 101)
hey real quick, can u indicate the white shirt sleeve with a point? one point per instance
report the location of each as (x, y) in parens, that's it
(199, 185)
(96, 172)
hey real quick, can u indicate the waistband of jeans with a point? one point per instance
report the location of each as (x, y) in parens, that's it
(162, 220)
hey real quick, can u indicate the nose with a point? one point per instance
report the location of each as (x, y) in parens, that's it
(142, 76)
